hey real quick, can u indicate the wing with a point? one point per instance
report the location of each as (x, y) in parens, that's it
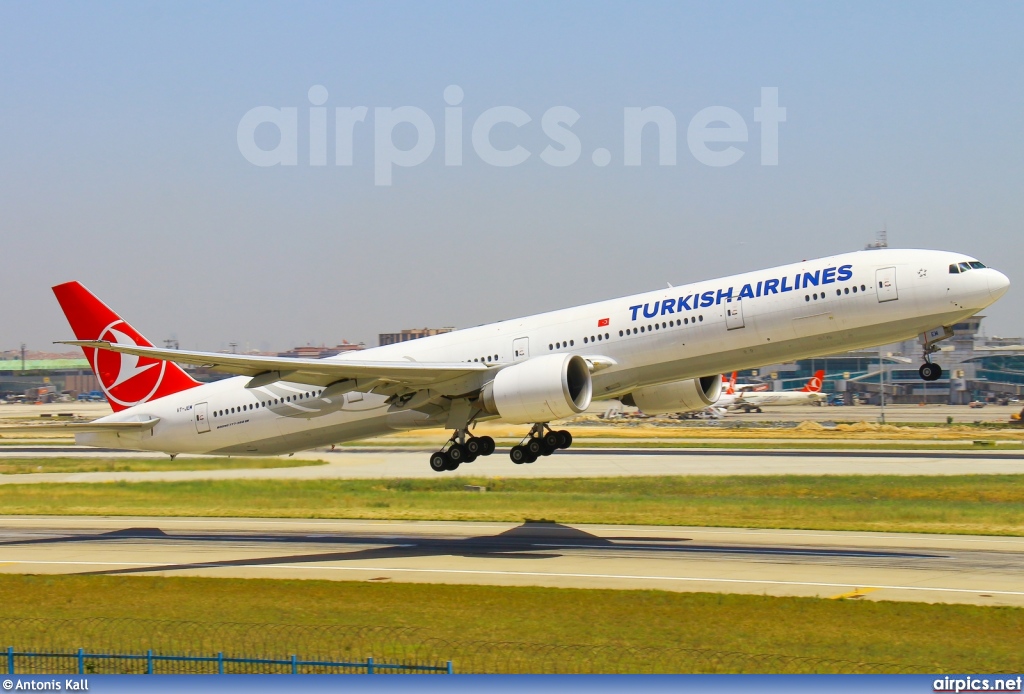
(317, 372)
(80, 427)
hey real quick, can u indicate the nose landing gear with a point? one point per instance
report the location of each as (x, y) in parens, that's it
(461, 448)
(928, 370)
(541, 441)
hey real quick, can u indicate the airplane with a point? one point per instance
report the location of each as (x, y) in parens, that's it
(810, 394)
(662, 351)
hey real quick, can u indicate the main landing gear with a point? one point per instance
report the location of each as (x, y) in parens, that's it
(461, 448)
(542, 440)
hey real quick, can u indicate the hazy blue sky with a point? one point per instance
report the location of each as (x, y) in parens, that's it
(120, 166)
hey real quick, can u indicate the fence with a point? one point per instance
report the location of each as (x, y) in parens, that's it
(51, 647)
(84, 663)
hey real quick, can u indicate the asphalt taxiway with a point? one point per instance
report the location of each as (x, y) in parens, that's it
(853, 565)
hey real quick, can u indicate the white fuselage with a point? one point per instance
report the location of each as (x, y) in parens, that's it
(806, 309)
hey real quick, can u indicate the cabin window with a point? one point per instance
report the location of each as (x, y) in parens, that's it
(954, 269)
(976, 265)
(964, 267)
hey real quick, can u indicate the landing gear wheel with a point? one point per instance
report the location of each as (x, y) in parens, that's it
(551, 440)
(518, 455)
(473, 447)
(458, 454)
(548, 450)
(438, 462)
(530, 458)
(930, 372)
(564, 439)
(486, 445)
(534, 447)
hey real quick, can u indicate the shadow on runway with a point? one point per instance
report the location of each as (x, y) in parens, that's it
(531, 540)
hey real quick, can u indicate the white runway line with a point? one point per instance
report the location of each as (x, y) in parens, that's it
(531, 574)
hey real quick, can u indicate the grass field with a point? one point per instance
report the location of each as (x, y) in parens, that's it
(11, 466)
(970, 504)
(946, 636)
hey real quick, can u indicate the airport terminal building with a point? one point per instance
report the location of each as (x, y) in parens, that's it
(975, 367)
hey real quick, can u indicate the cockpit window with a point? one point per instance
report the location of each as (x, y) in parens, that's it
(964, 267)
(954, 269)
(976, 265)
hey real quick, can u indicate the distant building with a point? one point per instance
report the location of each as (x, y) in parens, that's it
(310, 352)
(413, 334)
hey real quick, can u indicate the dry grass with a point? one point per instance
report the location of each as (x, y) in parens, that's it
(13, 466)
(980, 638)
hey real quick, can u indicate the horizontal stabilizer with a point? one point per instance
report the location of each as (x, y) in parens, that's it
(81, 427)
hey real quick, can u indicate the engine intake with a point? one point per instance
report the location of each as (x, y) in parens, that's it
(690, 395)
(541, 389)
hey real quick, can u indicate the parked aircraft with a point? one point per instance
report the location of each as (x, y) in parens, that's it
(662, 351)
(810, 394)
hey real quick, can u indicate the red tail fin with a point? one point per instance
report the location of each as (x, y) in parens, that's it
(126, 380)
(814, 384)
(731, 389)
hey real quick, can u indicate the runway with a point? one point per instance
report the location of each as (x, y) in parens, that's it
(864, 566)
(383, 463)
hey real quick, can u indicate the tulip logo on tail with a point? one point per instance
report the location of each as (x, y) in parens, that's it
(125, 378)
(814, 384)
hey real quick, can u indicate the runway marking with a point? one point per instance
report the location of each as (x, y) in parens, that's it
(856, 593)
(535, 574)
(484, 526)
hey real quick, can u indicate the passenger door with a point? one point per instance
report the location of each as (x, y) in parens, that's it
(201, 417)
(734, 315)
(885, 284)
(521, 349)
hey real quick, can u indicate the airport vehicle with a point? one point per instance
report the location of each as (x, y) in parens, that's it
(810, 394)
(662, 351)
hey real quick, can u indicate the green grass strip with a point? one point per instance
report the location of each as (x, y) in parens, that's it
(968, 504)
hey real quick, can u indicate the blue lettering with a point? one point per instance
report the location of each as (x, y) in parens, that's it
(759, 288)
(634, 309)
(771, 287)
(684, 302)
(811, 278)
(651, 314)
(724, 295)
(785, 287)
(707, 299)
(828, 276)
(668, 306)
(746, 292)
(845, 272)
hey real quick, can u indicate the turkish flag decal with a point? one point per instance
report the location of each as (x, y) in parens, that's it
(602, 323)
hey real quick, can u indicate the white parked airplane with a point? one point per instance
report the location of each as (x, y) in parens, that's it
(663, 351)
(810, 394)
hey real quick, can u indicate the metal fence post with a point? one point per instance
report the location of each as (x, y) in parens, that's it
(220, 663)
(369, 665)
(451, 670)
(10, 660)
(149, 662)
(295, 667)
(81, 661)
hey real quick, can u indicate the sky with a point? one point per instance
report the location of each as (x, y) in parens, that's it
(134, 143)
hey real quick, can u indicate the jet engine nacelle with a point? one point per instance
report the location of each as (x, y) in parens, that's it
(541, 389)
(691, 395)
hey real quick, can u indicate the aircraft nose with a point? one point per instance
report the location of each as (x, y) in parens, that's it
(998, 283)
